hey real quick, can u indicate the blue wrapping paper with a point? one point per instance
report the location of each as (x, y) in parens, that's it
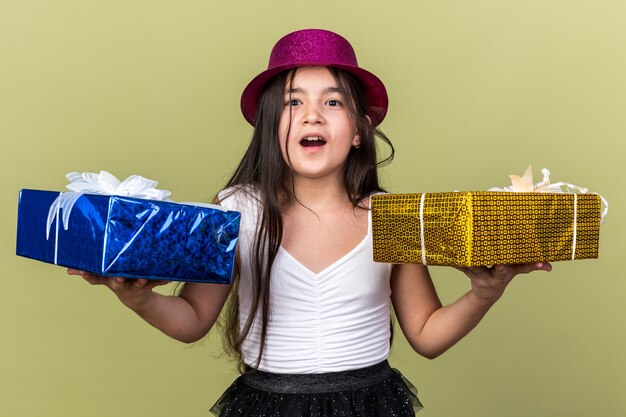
(130, 237)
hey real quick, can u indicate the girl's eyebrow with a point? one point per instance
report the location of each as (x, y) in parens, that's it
(300, 90)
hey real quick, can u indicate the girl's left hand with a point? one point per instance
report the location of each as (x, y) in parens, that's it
(489, 283)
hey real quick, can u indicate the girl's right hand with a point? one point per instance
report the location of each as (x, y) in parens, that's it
(132, 292)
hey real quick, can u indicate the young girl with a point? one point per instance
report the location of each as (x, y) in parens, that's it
(309, 322)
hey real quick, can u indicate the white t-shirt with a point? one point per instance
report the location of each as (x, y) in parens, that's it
(335, 320)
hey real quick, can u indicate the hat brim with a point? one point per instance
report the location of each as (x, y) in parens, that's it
(376, 92)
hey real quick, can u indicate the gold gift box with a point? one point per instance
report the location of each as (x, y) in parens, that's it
(485, 228)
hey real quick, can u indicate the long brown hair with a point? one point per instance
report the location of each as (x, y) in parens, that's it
(263, 168)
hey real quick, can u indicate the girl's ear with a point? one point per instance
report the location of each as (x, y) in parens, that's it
(356, 141)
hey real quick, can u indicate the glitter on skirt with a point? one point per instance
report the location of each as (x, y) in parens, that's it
(378, 390)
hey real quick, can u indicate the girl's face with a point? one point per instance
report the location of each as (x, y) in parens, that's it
(320, 128)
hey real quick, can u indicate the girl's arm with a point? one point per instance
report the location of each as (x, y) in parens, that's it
(186, 317)
(430, 328)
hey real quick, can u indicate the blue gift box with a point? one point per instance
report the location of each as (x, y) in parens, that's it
(130, 237)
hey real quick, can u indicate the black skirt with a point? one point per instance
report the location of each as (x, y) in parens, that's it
(375, 391)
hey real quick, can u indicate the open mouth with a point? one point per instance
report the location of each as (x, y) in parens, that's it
(311, 141)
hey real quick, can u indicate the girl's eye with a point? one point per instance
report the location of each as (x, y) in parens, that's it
(333, 103)
(293, 102)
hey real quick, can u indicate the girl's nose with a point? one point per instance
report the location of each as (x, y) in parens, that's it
(312, 115)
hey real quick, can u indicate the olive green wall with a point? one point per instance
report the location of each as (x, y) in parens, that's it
(478, 91)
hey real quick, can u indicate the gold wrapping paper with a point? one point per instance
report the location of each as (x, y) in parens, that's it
(485, 228)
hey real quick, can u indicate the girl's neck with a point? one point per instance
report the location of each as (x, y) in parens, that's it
(318, 192)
